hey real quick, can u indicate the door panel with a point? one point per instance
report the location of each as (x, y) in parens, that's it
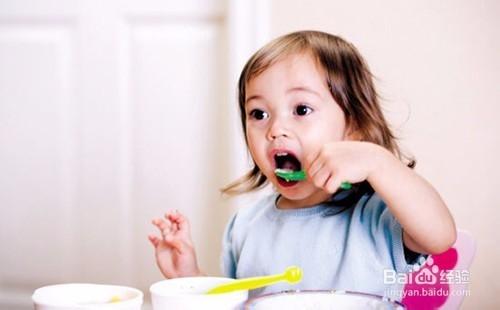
(108, 117)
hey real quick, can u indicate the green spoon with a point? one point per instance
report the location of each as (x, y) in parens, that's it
(290, 175)
(292, 275)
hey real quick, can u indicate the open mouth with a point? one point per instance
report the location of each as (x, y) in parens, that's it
(288, 161)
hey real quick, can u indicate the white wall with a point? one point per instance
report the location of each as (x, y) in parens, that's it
(438, 67)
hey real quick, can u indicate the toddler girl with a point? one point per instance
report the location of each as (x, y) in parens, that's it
(308, 102)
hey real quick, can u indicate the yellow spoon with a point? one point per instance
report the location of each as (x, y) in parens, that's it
(292, 275)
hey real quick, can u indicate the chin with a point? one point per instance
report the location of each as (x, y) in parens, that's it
(295, 192)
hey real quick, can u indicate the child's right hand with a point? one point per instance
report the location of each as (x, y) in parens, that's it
(175, 254)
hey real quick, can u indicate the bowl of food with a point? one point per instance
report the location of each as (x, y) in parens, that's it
(191, 293)
(322, 300)
(77, 296)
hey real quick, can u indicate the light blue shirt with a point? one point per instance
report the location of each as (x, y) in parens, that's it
(347, 251)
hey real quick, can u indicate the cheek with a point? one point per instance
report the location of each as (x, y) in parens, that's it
(250, 140)
(253, 144)
(332, 129)
(324, 132)
(320, 134)
(257, 149)
(333, 122)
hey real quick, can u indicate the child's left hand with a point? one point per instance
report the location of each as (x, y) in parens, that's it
(342, 161)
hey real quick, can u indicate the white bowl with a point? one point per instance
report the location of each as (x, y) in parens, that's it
(76, 296)
(189, 293)
(321, 300)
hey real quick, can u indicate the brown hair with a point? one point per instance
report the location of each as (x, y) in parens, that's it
(348, 78)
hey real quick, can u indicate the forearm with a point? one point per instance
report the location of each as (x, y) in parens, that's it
(414, 203)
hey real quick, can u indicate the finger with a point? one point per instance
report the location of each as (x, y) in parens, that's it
(316, 167)
(175, 243)
(155, 241)
(321, 177)
(310, 159)
(181, 222)
(169, 216)
(163, 226)
(173, 215)
(171, 223)
(332, 184)
(158, 223)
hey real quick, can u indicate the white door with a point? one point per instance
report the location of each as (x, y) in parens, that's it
(112, 112)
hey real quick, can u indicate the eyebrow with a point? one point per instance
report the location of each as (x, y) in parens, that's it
(290, 90)
(303, 88)
(254, 97)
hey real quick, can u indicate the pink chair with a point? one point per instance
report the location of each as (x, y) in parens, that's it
(441, 282)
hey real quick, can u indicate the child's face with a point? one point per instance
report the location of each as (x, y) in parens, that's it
(289, 110)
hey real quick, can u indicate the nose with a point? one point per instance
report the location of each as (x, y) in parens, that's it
(277, 128)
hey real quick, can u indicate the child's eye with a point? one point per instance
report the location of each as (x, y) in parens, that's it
(302, 110)
(258, 114)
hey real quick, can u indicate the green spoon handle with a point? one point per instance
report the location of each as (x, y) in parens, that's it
(345, 185)
(300, 175)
